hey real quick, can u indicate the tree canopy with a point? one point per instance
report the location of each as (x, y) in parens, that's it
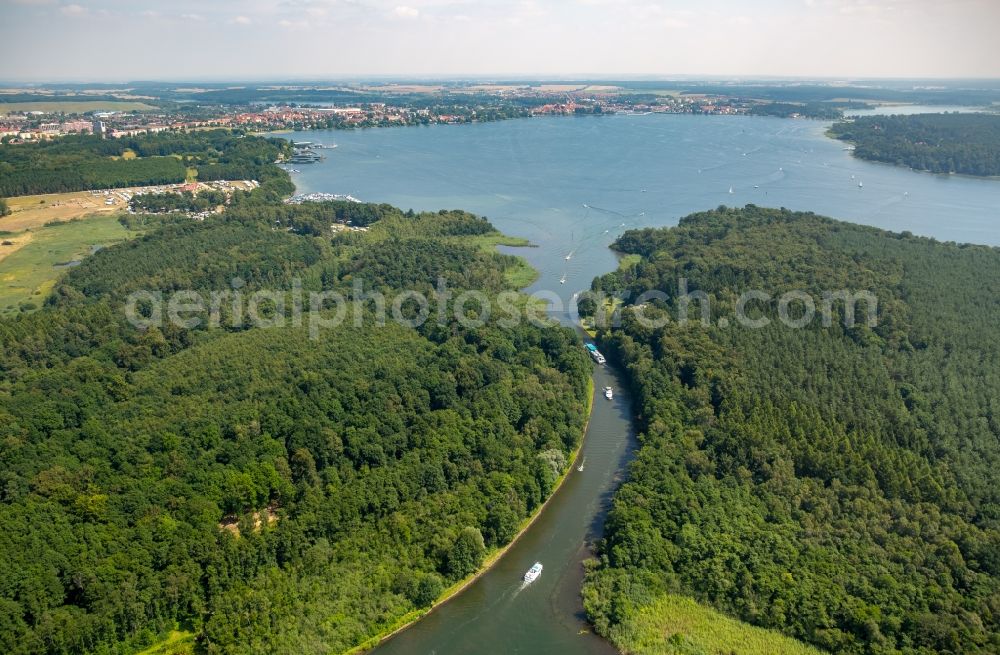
(838, 484)
(84, 162)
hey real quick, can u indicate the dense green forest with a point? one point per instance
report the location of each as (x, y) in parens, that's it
(837, 484)
(262, 490)
(78, 163)
(939, 143)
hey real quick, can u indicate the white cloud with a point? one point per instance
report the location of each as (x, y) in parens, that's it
(530, 9)
(405, 12)
(73, 10)
(196, 17)
(525, 13)
(242, 20)
(852, 7)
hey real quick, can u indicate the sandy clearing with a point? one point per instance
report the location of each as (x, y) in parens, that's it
(29, 212)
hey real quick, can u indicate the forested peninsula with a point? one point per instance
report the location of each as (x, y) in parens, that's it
(257, 489)
(838, 484)
(939, 143)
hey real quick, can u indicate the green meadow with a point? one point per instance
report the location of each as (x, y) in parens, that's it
(29, 274)
(178, 642)
(675, 625)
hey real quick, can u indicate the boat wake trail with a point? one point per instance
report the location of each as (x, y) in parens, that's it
(609, 211)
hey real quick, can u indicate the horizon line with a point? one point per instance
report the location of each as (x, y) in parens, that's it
(505, 77)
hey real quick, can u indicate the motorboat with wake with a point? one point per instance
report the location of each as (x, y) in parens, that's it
(533, 573)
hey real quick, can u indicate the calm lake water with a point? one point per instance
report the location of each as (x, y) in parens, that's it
(910, 110)
(571, 185)
(533, 177)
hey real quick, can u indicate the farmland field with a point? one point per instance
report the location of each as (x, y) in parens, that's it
(73, 107)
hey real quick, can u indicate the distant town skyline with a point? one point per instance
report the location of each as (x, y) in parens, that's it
(115, 40)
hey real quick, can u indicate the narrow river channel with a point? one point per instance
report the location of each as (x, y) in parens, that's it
(498, 613)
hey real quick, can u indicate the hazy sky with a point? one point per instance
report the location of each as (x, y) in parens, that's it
(44, 40)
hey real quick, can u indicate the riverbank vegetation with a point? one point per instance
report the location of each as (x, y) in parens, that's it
(940, 143)
(250, 489)
(492, 557)
(837, 484)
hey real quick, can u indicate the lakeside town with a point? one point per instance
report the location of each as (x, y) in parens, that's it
(22, 122)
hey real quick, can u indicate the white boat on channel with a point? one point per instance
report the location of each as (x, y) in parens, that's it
(533, 573)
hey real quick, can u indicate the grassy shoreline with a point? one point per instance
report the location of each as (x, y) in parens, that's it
(492, 558)
(520, 276)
